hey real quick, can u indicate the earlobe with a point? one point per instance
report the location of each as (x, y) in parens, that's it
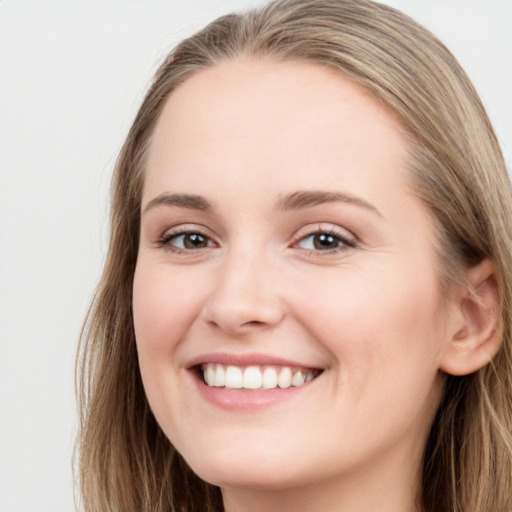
(475, 334)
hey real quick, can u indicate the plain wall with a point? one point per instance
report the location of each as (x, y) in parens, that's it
(72, 75)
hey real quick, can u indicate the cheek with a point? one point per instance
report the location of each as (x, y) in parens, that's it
(164, 307)
(383, 332)
(377, 322)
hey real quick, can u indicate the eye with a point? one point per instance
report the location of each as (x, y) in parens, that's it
(185, 241)
(326, 241)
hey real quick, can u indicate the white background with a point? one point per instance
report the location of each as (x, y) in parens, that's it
(72, 75)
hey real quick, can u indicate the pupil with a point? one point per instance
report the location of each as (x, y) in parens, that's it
(325, 241)
(194, 241)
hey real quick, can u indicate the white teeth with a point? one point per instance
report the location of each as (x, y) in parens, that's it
(269, 378)
(285, 378)
(298, 379)
(233, 377)
(220, 376)
(255, 377)
(252, 378)
(209, 375)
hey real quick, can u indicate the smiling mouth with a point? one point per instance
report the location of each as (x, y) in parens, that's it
(267, 377)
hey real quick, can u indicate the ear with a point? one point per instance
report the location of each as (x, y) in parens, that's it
(474, 330)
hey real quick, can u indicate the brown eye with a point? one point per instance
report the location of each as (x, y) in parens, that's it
(325, 242)
(194, 241)
(186, 241)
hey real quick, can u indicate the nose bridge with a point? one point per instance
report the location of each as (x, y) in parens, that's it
(246, 294)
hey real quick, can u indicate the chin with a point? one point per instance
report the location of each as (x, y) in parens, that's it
(249, 479)
(248, 473)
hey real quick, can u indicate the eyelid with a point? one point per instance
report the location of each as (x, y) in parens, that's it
(183, 229)
(347, 237)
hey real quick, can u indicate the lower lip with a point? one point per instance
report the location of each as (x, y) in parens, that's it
(247, 399)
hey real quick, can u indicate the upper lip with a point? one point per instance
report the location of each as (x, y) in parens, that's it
(252, 359)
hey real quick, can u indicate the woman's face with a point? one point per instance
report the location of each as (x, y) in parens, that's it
(282, 250)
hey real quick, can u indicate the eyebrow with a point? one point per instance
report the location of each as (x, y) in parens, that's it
(306, 199)
(294, 201)
(190, 201)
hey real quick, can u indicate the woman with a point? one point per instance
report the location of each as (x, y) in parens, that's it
(306, 300)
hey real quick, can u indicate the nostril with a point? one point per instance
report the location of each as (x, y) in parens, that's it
(254, 323)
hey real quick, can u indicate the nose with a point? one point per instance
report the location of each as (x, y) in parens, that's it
(246, 296)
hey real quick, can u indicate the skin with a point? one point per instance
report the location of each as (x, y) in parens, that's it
(243, 135)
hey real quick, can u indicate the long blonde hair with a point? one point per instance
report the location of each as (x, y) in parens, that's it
(126, 463)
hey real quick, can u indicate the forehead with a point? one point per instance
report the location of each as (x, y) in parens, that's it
(248, 120)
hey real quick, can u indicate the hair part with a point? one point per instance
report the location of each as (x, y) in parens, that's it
(457, 170)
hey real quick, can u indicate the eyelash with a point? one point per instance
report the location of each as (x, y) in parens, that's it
(345, 242)
(165, 240)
